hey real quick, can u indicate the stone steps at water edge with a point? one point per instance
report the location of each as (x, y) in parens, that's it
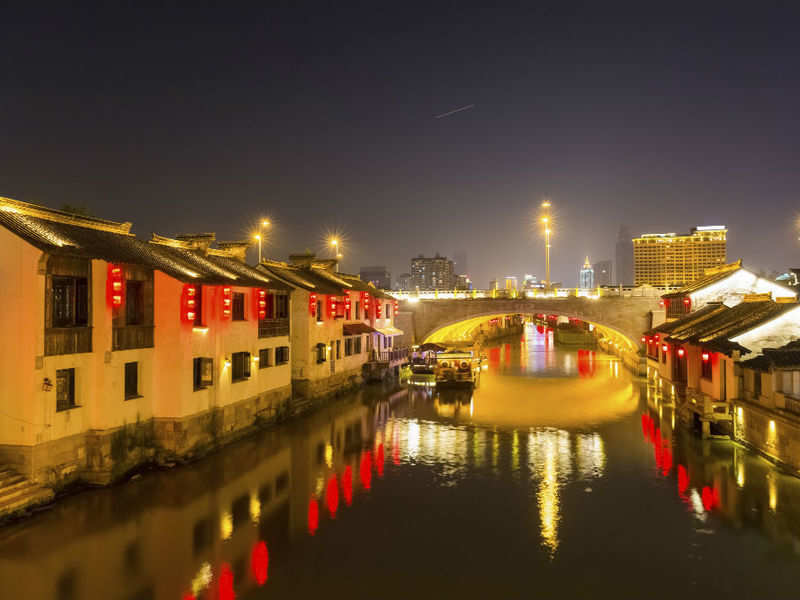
(17, 492)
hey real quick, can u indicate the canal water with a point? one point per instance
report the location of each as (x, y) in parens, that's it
(560, 476)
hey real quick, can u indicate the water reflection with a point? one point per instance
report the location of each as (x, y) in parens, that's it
(545, 460)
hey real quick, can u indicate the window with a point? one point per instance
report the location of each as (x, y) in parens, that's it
(264, 358)
(203, 373)
(282, 355)
(320, 353)
(65, 389)
(357, 345)
(70, 301)
(338, 349)
(319, 311)
(238, 306)
(281, 306)
(757, 383)
(131, 380)
(241, 365)
(705, 366)
(198, 307)
(134, 302)
(358, 310)
(348, 346)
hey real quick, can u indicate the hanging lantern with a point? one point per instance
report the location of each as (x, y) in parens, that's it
(377, 310)
(227, 302)
(681, 352)
(330, 302)
(260, 303)
(395, 308)
(705, 356)
(115, 292)
(665, 348)
(644, 339)
(312, 304)
(687, 302)
(189, 303)
(365, 302)
(347, 303)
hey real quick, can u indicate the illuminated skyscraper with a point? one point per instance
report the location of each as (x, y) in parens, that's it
(668, 259)
(586, 277)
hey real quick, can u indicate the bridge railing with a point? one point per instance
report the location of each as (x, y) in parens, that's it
(594, 293)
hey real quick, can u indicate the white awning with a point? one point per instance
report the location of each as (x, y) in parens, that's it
(389, 331)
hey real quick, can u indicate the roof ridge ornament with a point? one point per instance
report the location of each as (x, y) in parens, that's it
(59, 216)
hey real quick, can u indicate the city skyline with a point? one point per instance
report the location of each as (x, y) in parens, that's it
(600, 122)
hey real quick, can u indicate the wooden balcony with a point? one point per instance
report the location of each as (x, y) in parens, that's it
(67, 340)
(131, 337)
(273, 328)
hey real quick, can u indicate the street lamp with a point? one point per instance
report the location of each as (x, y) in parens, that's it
(547, 230)
(336, 254)
(260, 236)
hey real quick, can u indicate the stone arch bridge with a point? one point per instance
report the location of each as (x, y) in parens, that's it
(629, 316)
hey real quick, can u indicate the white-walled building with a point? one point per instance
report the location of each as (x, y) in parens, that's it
(120, 351)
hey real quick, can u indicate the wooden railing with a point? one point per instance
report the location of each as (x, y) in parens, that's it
(393, 355)
(273, 328)
(131, 337)
(67, 340)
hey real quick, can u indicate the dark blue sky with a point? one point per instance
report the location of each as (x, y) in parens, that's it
(186, 119)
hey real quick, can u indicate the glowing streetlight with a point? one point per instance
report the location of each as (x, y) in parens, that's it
(547, 230)
(334, 242)
(260, 236)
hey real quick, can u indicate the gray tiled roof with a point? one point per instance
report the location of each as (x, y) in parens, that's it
(58, 233)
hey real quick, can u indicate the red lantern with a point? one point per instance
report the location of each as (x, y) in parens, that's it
(115, 290)
(189, 303)
(260, 303)
(687, 301)
(347, 304)
(395, 308)
(644, 339)
(312, 304)
(227, 302)
(331, 306)
(656, 338)
(661, 303)
(665, 348)
(365, 302)
(681, 352)
(705, 356)
(377, 310)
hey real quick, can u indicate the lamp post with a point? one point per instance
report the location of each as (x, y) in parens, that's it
(260, 236)
(336, 254)
(547, 225)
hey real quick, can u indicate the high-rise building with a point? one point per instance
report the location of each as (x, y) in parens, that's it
(603, 273)
(493, 284)
(668, 259)
(624, 256)
(405, 282)
(435, 273)
(511, 282)
(463, 282)
(377, 276)
(586, 276)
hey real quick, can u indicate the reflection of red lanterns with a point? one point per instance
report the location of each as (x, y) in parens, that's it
(332, 496)
(708, 498)
(313, 516)
(666, 459)
(395, 452)
(365, 469)
(188, 596)
(683, 479)
(347, 485)
(259, 562)
(226, 583)
(379, 460)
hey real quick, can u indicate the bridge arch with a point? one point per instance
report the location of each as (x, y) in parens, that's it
(624, 317)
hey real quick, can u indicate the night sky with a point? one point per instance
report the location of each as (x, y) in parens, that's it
(322, 117)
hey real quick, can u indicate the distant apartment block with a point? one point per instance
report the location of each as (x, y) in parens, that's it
(436, 273)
